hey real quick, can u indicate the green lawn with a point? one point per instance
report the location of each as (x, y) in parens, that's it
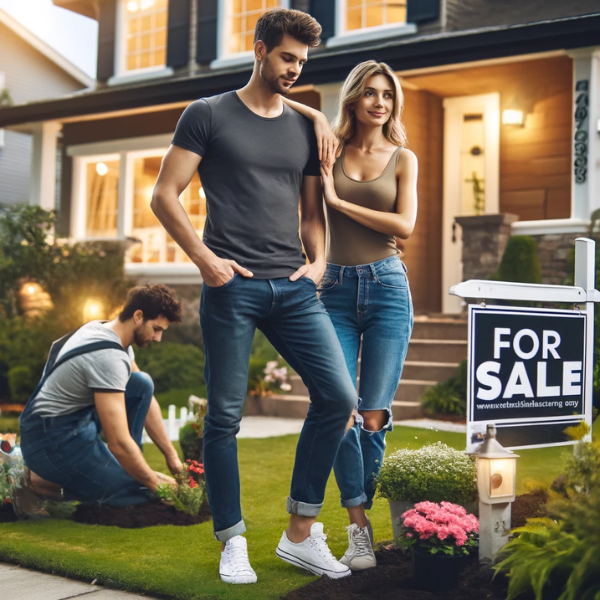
(183, 562)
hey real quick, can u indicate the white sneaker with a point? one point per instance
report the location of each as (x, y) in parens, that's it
(235, 566)
(360, 553)
(313, 554)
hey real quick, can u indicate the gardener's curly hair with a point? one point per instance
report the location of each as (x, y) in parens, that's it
(154, 301)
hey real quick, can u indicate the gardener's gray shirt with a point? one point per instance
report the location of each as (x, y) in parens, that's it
(251, 170)
(72, 385)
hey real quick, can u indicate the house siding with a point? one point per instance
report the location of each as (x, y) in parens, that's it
(29, 76)
(470, 14)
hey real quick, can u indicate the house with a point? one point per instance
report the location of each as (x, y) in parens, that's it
(30, 71)
(502, 110)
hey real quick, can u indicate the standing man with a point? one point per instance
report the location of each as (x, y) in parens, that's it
(256, 157)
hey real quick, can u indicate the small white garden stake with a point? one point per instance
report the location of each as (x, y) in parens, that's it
(496, 480)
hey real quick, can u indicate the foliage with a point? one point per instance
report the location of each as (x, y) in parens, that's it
(444, 527)
(190, 435)
(178, 398)
(448, 397)
(188, 495)
(434, 473)
(11, 469)
(6, 100)
(172, 365)
(520, 262)
(71, 274)
(561, 553)
(20, 379)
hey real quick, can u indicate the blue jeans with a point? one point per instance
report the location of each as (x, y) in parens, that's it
(68, 451)
(373, 302)
(294, 320)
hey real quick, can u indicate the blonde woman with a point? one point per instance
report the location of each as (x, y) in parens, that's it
(371, 199)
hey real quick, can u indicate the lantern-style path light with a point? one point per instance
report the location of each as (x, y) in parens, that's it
(496, 481)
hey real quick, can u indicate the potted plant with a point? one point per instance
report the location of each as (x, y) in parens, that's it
(439, 536)
(432, 473)
(190, 435)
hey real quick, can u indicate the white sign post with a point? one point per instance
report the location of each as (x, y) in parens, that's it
(531, 371)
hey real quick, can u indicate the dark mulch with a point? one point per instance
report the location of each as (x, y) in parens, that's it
(7, 514)
(136, 517)
(527, 506)
(392, 579)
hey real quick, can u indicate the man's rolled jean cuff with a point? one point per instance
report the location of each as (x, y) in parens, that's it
(354, 502)
(303, 508)
(230, 532)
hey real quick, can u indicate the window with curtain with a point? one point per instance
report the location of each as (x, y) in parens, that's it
(146, 34)
(362, 14)
(242, 16)
(102, 198)
(155, 245)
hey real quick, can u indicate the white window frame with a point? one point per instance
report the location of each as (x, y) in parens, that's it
(368, 34)
(225, 58)
(2, 86)
(122, 75)
(126, 151)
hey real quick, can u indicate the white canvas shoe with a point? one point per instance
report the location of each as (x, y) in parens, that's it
(235, 566)
(313, 554)
(360, 553)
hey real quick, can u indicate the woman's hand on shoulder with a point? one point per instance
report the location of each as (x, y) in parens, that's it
(328, 185)
(326, 140)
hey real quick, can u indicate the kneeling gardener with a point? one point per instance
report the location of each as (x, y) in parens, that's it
(90, 385)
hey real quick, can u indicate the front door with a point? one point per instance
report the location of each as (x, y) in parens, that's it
(471, 177)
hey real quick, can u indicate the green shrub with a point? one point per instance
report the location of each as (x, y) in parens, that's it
(21, 383)
(190, 442)
(172, 366)
(448, 397)
(520, 262)
(435, 472)
(559, 557)
(179, 398)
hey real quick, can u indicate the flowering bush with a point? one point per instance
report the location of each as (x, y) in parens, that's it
(268, 379)
(443, 527)
(188, 495)
(434, 472)
(11, 470)
(190, 435)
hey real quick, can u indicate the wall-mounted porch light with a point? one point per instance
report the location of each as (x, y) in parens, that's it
(512, 116)
(496, 481)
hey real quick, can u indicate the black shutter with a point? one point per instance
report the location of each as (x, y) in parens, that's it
(178, 38)
(324, 12)
(106, 39)
(207, 30)
(419, 11)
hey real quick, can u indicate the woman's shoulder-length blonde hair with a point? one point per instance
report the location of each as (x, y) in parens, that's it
(353, 89)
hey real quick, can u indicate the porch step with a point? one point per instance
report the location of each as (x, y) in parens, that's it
(432, 371)
(296, 406)
(446, 351)
(409, 389)
(426, 328)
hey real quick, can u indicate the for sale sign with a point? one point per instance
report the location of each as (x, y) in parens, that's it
(527, 374)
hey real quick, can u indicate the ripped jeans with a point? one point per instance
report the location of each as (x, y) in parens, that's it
(373, 302)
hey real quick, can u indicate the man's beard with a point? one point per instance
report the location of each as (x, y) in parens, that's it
(272, 80)
(139, 339)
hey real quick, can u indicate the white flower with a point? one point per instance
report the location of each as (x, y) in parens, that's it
(286, 387)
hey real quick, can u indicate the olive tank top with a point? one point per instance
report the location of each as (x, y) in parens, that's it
(351, 243)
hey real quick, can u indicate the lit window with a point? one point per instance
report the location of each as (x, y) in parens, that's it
(146, 44)
(155, 244)
(241, 21)
(102, 190)
(361, 14)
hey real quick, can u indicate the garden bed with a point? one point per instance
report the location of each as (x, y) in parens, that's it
(392, 579)
(7, 514)
(139, 516)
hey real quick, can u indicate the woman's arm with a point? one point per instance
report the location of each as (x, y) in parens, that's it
(326, 140)
(399, 224)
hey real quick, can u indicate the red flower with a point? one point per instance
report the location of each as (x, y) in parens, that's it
(7, 501)
(192, 482)
(195, 467)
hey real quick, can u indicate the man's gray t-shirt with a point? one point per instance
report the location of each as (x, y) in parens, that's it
(251, 171)
(72, 385)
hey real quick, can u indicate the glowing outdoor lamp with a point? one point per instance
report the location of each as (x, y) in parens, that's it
(92, 310)
(496, 481)
(513, 117)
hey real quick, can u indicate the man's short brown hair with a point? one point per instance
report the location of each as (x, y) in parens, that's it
(154, 301)
(274, 24)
